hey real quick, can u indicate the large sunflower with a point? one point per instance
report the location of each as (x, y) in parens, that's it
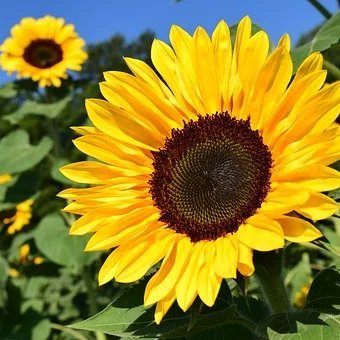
(43, 49)
(222, 155)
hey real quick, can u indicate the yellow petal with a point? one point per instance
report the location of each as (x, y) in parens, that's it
(93, 172)
(311, 64)
(226, 255)
(261, 233)
(283, 199)
(318, 207)
(116, 123)
(167, 276)
(245, 260)
(130, 225)
(208, 283)
(163, 306)
(223, 58)
(206, 72)
(144, 253)
(298, 230)
(312, 177)
(186, 288)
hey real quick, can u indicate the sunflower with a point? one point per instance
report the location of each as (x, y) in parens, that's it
(42, 49)
(21, 217)
(223, 154)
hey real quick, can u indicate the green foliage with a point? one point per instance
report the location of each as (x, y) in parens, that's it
(18, 155)
(31, 107)
(324, 38)
(64, 250)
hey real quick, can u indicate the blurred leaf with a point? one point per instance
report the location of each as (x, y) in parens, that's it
(324, 293)
(7, 90)
(31, 107)
(53, 240)
(18, 155)
(305, 325)
(251, 308)
(323, 39)
(3, 279)
(31, 326)
(331, 231)
(299, 276)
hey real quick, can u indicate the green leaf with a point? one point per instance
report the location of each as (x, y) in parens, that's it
(31, 326)
(53, 240)
(324, 293)
(127, 317)
(305, 325)
(31, 107)
(18, 155)
(323, 39)
(7, 91)
(299, 276)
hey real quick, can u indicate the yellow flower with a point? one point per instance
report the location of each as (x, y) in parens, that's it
(5, 178)
(21, 218)
(12, 272)
(38, 260)
(201, 166)
(43, 49)
(23, 253)
(301, 296)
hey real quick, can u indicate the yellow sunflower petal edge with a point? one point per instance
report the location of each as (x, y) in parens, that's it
(202, 76)
(43, 49)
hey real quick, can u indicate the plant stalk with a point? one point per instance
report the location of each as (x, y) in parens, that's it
(268, 266)
(90, 291)
(67, 330)
(321, 8)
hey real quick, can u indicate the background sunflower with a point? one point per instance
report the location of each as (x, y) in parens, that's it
(43, 49)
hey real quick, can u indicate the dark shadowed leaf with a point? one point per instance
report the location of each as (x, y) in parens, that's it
(305, 325)
(324, 293)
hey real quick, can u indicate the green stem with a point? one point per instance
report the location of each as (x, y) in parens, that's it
(92, 299)
(54, 134)
(321, 8)
(90, 291)
(332, 69)
(70, 331)
(268, 267)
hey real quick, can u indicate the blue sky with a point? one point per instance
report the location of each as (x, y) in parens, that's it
(98, 20)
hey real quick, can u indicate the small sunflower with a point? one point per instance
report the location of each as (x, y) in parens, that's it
(43, 49)
(222, 155)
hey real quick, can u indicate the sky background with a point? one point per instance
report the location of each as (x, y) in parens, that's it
(98, 20)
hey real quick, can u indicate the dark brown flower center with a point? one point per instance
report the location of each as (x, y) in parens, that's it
(43, 53)
(210, 176)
